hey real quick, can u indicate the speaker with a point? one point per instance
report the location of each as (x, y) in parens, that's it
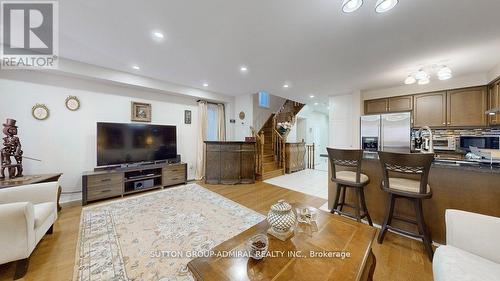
(144, 184)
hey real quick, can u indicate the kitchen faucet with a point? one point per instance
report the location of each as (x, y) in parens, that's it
(431, 143)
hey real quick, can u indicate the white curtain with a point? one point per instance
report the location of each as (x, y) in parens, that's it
(221, 122)
(202, 136)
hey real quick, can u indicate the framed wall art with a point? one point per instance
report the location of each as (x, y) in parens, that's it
(187, 116)
(141, 112)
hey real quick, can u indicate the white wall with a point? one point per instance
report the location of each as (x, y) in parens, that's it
(494, 73)
(344, 114)
(316, 129)
(66, 142)
(434, 85)
(242, 127)
(261, 114)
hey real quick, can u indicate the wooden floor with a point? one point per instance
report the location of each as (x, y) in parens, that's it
(398, 258)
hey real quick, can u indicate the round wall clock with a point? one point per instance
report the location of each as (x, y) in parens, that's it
(72, 103)
(242, 115)
(40, 111)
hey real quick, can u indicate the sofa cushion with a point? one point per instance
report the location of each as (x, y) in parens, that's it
(452, 263)
(42, 211)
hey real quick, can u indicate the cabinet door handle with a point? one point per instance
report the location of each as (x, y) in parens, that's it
(174, 179)
(105, 180)
(107, 190)
(174, 170)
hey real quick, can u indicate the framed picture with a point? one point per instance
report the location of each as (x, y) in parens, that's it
(141, 112)
(187, 116)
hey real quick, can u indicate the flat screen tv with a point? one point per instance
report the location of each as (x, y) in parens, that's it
(134, 143)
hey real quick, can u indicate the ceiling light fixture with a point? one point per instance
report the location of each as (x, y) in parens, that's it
(349, 6)
(421, 75)
(410, 80)
(444, 76)
(158, 36)
(205, 84)
(383, 6)
(136, 67)
(243, 69)
(316, 103)
(424, 81)
(286, 85)
(311, 96)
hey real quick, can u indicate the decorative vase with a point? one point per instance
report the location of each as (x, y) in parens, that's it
(282, 220)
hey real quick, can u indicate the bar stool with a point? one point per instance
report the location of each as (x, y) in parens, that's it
(349, 179)
(405, 168)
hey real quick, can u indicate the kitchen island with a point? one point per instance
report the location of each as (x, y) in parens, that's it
(455, 185)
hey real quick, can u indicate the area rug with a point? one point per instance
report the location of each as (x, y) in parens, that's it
(134, 238)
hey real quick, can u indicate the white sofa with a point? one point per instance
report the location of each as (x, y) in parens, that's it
(27, 213)
(472, 250)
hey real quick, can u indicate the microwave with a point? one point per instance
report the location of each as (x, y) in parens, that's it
(482, 142)
(445, 143)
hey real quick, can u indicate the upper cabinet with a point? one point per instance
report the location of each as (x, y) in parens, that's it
(429, 110)
(494, 102)
(376, 106)
(467, 107)
(403, 103)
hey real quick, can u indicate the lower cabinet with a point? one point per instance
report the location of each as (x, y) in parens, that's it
(295, 157)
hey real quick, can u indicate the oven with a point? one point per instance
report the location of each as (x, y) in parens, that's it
(445, 143)
(481, 142)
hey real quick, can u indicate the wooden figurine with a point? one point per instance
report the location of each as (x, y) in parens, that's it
(12, 148)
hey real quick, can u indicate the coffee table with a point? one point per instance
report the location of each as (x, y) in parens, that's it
(332, 236)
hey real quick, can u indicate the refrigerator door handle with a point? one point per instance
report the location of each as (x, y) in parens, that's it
(380, 134)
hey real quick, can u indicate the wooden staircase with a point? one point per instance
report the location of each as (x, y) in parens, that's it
(270, 158)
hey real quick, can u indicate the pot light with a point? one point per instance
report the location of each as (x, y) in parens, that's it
(157, 36)
(421, 75)
(136, 67)
(383, 6)
(311, 96)
(424, 81)
(349, 6)
(286, 85)
(243, 69)
(316, 103)
(410, 80)
(205, 84)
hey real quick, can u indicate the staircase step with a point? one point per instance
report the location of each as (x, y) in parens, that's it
(272, 174)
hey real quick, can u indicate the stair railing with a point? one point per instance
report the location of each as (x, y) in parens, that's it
(279, 149)
(259, 153)
(310, 155)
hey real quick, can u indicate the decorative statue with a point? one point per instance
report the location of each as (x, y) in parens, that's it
(12, 148)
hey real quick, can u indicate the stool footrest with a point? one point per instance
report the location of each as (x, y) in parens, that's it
(405, 232)
(408, 220)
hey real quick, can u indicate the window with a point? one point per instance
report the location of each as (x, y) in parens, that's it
(212, 127)
(264, 99)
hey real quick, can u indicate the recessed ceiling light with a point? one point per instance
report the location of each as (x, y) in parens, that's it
(410, 80)
(316, 103)
(383, 6)
(311, 96)
(286, 85)
(158, 36)
(243, 69)
(205, 84)
(349, 6)
(136, 67)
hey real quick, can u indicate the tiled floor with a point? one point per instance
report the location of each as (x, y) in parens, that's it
(311, 182)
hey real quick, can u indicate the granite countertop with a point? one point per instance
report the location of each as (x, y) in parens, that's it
(443, 163)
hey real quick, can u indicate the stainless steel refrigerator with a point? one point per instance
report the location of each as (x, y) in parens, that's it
(386, 132)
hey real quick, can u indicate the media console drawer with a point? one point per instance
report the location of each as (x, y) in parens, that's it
(104, 191)
(174, 174)
(105, 179)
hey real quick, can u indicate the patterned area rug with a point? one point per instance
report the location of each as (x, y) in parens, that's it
(127, 239)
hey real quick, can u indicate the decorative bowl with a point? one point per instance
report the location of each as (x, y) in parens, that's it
(258, 245)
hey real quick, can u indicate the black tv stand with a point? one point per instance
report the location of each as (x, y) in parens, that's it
(120, 181)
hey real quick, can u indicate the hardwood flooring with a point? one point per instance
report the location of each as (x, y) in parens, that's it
(398, 258)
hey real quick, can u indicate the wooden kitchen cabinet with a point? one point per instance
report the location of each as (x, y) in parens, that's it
(429, 109)
(398, 104)
(376, 106)
(467, 107)
(494, 102)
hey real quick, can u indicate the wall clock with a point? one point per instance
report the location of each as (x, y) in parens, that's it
(40, 112)
(242, 115)
(72, 103)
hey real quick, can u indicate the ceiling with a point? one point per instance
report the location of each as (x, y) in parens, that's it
(311, 45)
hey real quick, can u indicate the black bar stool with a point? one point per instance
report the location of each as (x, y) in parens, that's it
(398, 180)
(349, 179)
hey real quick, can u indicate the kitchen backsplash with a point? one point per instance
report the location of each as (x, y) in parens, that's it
(463, 132)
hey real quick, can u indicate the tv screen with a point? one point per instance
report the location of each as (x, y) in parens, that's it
(132, 143)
